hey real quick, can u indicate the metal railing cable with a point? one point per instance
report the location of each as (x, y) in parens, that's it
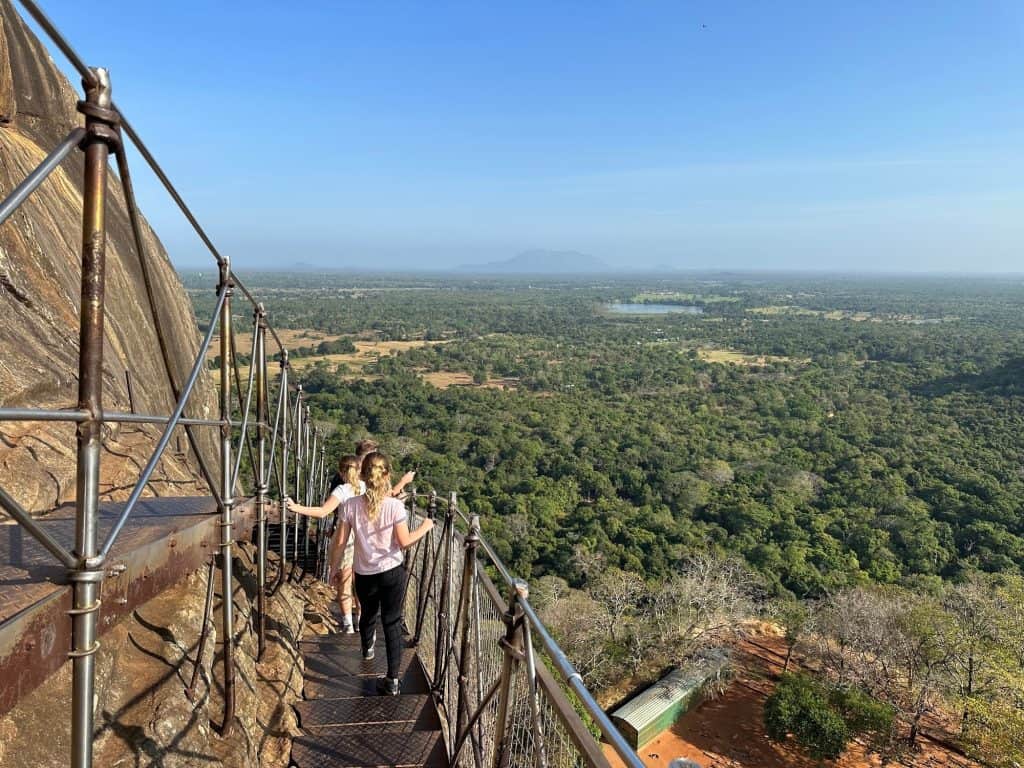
(506, 692)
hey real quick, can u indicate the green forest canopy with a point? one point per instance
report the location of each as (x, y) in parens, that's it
(880, 440)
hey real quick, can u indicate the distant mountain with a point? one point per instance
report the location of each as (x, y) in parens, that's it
(540, 262)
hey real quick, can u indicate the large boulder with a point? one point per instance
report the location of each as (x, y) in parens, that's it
(40, 272)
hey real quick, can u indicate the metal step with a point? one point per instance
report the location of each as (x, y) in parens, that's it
(386, 749)
(321, 686)
(379, 713)
(348, 661)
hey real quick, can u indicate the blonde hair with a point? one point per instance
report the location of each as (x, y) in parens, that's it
(376, 474)
(348, 468)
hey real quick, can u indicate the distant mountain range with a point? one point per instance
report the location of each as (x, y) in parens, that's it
(540, 262)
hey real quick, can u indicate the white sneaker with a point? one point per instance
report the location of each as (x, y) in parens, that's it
(368, 652)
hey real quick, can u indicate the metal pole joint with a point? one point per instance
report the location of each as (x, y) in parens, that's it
(102, 120)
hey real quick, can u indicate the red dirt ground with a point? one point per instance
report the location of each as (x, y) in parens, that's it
(729, 730)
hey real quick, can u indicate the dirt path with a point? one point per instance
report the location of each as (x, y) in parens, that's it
(729, 730)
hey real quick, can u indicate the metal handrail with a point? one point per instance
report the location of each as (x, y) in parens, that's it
(457, 648)
(101, 140)
(457, 632)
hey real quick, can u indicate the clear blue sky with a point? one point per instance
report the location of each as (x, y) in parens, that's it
(818, 135)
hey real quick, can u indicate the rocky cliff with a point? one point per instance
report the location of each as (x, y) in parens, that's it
(39, 287)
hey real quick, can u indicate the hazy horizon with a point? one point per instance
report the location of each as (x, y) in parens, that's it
(857, 138)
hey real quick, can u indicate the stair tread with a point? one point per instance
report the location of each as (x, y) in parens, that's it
(408, 712)
(372, 748)
(319, 686)
(346, 662)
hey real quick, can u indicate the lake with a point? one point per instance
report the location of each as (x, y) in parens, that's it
(655, 309)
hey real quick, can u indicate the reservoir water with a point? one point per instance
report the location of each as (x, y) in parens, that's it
(655, 309)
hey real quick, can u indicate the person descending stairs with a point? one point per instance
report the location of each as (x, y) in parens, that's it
(346, 721)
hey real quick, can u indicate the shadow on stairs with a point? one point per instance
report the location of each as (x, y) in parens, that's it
(346, 723)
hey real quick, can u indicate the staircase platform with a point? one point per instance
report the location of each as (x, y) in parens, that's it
(164, 540)
(345, 722)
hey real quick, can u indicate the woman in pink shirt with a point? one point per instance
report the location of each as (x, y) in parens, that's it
(379, 525)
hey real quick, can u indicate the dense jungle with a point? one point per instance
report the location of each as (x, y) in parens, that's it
(668, 457)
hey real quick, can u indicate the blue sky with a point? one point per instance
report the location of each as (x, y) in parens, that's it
(849, 136)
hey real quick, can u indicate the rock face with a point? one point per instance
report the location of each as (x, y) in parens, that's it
(40, 272)
(145, 663)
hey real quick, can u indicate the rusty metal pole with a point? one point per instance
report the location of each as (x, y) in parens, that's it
(262, 485)
(442, 637)
(323, 530)
(298, 474)
(284, 467)
(310, 473)
(204, 632)
(539, 753)
(426, 581)
(469, 585)
(227, 500)
(100, 122)
(511, 643)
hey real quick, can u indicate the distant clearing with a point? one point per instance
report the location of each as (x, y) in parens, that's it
(847, 314)
(445, 379)
(367, 352)
(674, 297)
(291, 338)
(733, 357)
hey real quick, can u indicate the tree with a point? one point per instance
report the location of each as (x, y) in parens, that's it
(821, 719)
(619, 592)
(703, 603)
(800, 707)
(794, 617)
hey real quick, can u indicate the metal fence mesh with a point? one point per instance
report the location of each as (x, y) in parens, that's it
(442, 628)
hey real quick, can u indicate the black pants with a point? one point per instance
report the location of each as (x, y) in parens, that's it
(383, 593)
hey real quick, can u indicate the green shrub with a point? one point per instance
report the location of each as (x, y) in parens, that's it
(800, 706)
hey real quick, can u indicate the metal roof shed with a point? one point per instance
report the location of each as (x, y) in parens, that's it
(645, 716)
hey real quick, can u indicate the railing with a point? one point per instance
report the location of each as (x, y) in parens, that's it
(507, 694)
(296, 448)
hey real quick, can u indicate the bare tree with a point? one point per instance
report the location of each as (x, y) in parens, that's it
(974, 637)
(579, 621)
(619, 592)
(703, 604)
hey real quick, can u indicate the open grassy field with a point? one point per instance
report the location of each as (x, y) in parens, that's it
(292, 338)
(733, 357)
(445, 379)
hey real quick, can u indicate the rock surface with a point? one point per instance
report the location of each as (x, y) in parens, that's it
(40, 272)
(143, 716)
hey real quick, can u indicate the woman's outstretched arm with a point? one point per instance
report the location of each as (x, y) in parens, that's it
(329, 505)
(406, 479)
(406, 539)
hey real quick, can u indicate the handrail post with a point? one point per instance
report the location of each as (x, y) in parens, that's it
(469, 585)
(512, 645)
(310, 474)
(297, 437)
(283, 477)
(227, 499)
(100, 124)
(443, 635)
(262, 486)
(540, 758)
(426, 580)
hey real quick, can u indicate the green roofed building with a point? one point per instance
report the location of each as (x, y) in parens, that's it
(645, 716)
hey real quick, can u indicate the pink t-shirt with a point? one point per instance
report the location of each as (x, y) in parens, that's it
(377, 549)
